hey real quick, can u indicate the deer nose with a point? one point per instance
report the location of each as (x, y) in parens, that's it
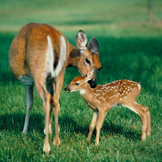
(67, 89)
(92, 83)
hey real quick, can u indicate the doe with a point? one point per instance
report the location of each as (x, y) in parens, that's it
(38, 56)
(104, 97)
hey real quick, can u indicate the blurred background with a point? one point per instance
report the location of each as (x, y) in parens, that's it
(74, 14)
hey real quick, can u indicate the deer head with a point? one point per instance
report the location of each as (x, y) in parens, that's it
(89, 56)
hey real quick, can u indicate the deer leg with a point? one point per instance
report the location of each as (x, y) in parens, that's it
(142, 112)
(58, 87)
(92, 125)
(149, 123)
(148, 120)
(41, 89)
(99, 125)
(29, 104)
(50, 89)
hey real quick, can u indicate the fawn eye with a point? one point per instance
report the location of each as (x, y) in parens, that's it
(87, 61)
(76, 84)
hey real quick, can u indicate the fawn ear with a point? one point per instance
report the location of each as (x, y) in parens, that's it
(91, 74)
(93, 45)
(81, 39)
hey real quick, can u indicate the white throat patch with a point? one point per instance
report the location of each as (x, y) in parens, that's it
(82, 91)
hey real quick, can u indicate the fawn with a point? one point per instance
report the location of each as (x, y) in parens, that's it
(103, 97)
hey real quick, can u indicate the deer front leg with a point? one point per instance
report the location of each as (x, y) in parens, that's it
(92, 125)
(29, 104)
(99, 125)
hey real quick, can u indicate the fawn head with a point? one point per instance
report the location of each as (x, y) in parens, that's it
(89, 56)
(80, 82)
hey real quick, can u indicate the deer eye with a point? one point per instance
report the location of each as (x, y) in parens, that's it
(76, 84)
(87, 61)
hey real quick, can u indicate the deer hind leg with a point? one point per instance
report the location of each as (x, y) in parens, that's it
(58, 86)
(45, 96)
(142, 111)
(100, 120)
(92, 125)
(149, 123)
(50, 89)
(29, 104)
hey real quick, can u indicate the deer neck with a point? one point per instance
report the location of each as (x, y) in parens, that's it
(87, 93)
(74, 55)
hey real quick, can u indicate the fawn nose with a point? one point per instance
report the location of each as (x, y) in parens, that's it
(67, 89)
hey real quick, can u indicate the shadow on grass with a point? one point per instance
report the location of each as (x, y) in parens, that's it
(15, 122)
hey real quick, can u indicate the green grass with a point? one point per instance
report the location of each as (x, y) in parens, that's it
(130, 48)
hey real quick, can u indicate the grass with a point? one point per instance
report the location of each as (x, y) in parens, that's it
(129, 48)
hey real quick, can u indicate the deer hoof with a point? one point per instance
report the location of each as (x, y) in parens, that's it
(56, 141)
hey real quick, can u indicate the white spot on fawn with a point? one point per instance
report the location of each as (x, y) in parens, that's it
(139, 86)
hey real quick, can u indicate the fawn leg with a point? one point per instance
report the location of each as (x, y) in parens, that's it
(92, 125)
(141, 111)
(99, 125)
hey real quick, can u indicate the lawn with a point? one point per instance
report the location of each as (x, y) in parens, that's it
(130, 48)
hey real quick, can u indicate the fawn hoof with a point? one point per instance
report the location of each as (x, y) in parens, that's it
(56, 141)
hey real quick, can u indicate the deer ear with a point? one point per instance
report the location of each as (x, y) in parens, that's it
(81, 39)
(93, 45)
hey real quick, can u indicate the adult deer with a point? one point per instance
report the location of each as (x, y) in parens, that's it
(38, 56)
(103, 97)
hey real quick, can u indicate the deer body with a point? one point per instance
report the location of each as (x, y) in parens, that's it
(104, 97)
(38, 56)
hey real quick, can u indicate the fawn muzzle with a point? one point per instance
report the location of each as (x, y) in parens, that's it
(67, 89)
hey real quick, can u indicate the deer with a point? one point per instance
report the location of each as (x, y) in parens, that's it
(103, 97)
(38, 56)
